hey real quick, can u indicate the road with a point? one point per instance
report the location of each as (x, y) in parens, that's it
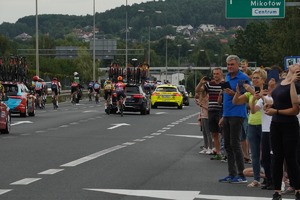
(79, 153)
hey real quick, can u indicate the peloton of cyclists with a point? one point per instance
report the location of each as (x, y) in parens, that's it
(55, 88)
(120, 91)
(108, 91)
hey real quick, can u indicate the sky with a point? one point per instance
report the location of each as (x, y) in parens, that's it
(12, 10)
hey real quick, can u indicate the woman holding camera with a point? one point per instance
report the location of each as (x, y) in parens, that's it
(284, 130)
(259, 77)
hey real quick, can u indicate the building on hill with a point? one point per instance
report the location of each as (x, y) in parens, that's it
(207, 27)
(23, 36)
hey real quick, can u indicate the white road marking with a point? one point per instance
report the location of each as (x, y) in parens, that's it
(173, 195)
(2, 191)
(25, 181)
(175, 123)
(84, 120)
(89, 111)
(26, 134)
(74, 123)
(92, 156)
(193, 123)
(128, 143)
(40, 131)
(159, 113)
(149, 137)
(171, 125)
(9, 137)
(52, 129)
(51, 171)
(139, 140)
(155, 133)
(188, 136)
(161, 131)
(166, 128)
(21, 122)
(91, 118)
(118, 125)
(64, 126)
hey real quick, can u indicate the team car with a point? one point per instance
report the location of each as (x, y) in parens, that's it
(20, 99)
(5, 117)
(136, 100)
(166, 95)
(185, 95)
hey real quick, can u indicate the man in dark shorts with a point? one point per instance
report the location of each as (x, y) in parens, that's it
(213, 89)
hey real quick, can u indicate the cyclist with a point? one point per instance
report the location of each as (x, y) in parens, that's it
(120, 90)
(2, 90)
(55, 87)
(38, 89)
(91, 89)
(97, 89)
(74, 88)
(108, 90)
(77, 80)
(147, 87)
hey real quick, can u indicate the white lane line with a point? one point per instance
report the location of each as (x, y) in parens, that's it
(175, 123)
(148, 137)
(84, 120)
(139, 140)
(159, 113)
(51, 171)
(92, 156)
(21, 122)
(128, 143)
(166, 128)
(2, 191)
(188, 136)
(25, 181)
(52, 129)
(64, 126)
(155, 133)
(171, 125)
(91, 118)
(74, 123)
(40, 131)
(161, 131)
(193, 123)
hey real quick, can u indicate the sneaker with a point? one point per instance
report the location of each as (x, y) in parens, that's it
(226, 179)
(203, 151)
(224, 159)
(118, 112)
(254, 184)
(238, 179)
(209, 151)
(216, 157)
(277, 196)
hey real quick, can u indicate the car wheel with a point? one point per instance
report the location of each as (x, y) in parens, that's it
(148, 111)
(180, 107)
(8, 125)
(25, 113)
(187, 103)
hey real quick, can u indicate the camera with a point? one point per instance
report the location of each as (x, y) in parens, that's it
(241, 85)
(207, 78)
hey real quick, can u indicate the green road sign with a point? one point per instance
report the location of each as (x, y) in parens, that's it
(241, 9)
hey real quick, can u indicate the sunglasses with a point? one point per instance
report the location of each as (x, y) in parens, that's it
(256, 77)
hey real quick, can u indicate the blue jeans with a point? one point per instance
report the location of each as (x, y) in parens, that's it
(254, 138)
(232, 137)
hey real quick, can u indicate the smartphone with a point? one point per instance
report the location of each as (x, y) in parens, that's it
(225, 85)
(207, 78)
(257, 89)
(265, 86)
(273, 73)
(241, 85)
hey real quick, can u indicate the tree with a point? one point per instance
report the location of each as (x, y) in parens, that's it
(4, 44)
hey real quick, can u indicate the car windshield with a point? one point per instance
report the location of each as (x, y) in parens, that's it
(11, 90)
(166, 89)
(48, 85)
(133, 89)
(181, 88)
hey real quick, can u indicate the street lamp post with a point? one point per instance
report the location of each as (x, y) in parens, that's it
(94, 45)
(126, 59)
(157, 12)
(166, 59)
(37, 67)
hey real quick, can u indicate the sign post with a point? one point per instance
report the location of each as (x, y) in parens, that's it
(290, 61)
(255, 9)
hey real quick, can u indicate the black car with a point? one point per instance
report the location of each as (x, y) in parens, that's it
(136, 100)
(186, 99)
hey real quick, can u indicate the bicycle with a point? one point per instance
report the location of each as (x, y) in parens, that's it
(96, 98)
(109, 107)
(74, 99)
(54, 103)
(121, 106)
(89, 95)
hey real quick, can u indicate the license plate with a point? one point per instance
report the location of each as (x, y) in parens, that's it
(165, 96)
(128, 96)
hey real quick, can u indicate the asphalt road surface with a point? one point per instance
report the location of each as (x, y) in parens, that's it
(79, 153)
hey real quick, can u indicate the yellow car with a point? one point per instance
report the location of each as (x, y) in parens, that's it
(166, 95)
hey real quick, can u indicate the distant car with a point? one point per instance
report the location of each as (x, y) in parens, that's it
(186, 99)
(48, 86)
(136, 99)
(166, 95)
(20, 100)
(5, 118)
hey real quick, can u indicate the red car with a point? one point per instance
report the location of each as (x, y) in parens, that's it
(4, 118)
(20, 100)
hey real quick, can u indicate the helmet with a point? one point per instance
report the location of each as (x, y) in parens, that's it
(35, 78)
(120, 78)
(54, 78)
(108, 81)
(75, 73)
